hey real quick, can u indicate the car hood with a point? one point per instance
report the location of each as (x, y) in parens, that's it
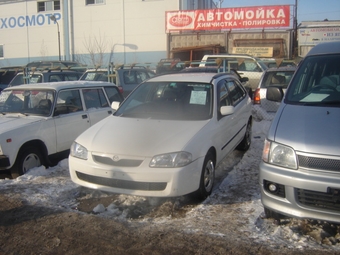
(309, 129)
(11, 121)
(139, 137)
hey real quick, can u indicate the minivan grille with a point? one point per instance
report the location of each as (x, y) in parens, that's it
(319, 163)
(320, 200)
(122, 184)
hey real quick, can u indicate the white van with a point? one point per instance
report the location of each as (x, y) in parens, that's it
(300, 171)
(246, 65)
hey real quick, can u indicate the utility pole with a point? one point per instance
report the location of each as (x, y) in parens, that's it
(295, 25)
(219, 3)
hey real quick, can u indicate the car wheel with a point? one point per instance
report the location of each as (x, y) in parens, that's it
(207, 177)
(246, 141)
(28, 158)
(272, 214)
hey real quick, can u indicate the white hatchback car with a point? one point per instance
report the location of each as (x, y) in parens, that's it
(166, 138)
(39, 122)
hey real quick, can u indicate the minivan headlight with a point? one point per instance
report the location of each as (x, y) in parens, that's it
(78, 151)
(278, 154)
(175, 159)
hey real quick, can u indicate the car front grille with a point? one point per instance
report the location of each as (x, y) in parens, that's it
(319, 163)
(122, 184)
(120, 163)
(320, 200)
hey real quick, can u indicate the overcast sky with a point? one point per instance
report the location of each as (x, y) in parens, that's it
(308, 10)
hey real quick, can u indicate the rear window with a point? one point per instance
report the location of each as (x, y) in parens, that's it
(279, 78)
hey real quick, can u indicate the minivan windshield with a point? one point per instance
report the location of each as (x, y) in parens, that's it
(316, 81)
(169, 101)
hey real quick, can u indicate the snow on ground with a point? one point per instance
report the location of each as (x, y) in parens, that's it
(53, 188)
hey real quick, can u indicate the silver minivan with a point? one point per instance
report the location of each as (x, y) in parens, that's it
(300, 170)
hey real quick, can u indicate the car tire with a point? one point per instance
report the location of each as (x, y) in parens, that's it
(207, 177)
(28, 158)
(246, 141)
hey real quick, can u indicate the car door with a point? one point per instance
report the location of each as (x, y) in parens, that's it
(231, 93)
(70, 118)
(97, 104)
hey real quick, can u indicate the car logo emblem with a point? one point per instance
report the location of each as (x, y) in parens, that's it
(115, 158)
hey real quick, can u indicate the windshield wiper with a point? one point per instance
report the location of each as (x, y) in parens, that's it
(334, 102)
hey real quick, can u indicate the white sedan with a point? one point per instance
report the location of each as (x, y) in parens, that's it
(166, 138)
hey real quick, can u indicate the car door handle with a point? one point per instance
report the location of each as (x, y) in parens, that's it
(84, 116)
(109, 112)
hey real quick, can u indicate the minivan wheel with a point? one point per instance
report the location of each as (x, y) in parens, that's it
(28, 158)
(246, 141)
(207, 177)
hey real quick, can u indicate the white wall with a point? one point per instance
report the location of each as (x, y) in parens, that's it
(118, 22)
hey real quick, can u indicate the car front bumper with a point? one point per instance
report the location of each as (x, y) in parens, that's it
(4, 162)
(141, 180)
(302, 193)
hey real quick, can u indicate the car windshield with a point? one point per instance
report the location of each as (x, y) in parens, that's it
(277, 78)
(97, 76)
(27, 102)
(19, 79)
(316, 82)
(169, 101)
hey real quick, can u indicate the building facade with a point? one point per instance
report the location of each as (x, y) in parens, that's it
(93, 32)
(99, 32)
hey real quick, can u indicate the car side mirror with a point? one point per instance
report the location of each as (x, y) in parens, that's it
(115, 105)
(226, 110)
(274, 93)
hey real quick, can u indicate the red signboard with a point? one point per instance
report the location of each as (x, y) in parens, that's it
(229, 18)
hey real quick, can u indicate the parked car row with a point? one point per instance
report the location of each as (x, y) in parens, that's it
(169, 134)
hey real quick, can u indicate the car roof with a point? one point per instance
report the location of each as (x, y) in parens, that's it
(222, 55)
(188, 77)
(52, 71)
(61, 85)
(282, 68)
(325, 48)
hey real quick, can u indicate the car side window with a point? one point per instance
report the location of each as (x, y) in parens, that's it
(113, 94)
(129, 77)
(247, 65)
(55, 78)
(94, 98)
(71, 77)
(141, 76)
(68, 101)
(236, 92)
(224, 95)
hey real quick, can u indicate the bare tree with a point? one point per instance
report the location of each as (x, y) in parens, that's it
(96, 48)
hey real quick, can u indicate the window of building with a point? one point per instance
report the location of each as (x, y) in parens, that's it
(1, 51)
(94, 2)
(48, 6)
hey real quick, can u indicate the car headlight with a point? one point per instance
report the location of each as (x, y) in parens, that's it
(278, 154)
(78, 151)
(175, 159)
